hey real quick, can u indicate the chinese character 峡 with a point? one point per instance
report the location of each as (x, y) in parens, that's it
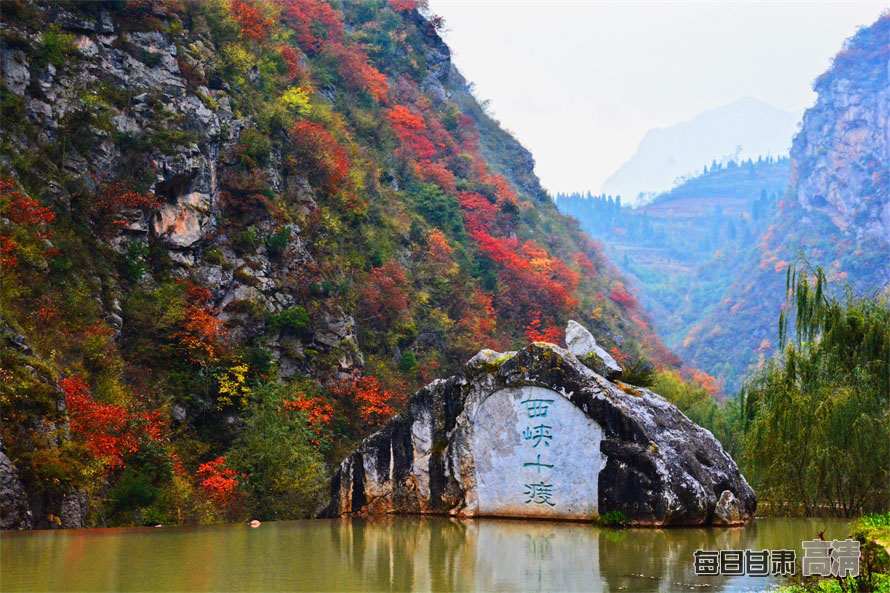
(538, 464)
(845, 558)
(537, 407)
(706, 562)
(539, 493)
(539, 433)
(816, 560)
(782, 562)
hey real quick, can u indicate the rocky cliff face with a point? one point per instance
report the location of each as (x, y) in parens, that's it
(538, 434)
(841, 157)
(837, 214)
(200, 198)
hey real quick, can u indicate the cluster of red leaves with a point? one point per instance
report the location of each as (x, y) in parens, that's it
(439, 248)
(109, 206)
(372, 400)
(707, 382)
(620, 295)
(437, 173)
(315, 23)
(479, 212)
(252, 20)
(218, 482)
(384, 298)
(528, 272)
(318, 152)
(404, 5)
(411, 129)
(317, 411)
(534, 331)
(292, 61)
(202, 332)
(477, 320)
(108, 431)
(585, 264)
(357, 71)
(24, 211)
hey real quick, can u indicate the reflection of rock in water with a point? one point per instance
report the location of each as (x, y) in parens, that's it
(526, 556)
(662, 559)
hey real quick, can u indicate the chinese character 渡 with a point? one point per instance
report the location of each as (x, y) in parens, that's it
(540, 433)
(539, 493)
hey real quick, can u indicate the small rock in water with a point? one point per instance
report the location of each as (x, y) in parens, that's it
(255, 523)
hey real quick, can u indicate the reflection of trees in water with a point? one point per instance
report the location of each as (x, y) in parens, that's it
(663, 556)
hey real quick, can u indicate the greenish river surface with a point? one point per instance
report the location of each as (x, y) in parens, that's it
(391, 554)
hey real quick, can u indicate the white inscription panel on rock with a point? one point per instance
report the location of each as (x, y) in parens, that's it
(536, 455)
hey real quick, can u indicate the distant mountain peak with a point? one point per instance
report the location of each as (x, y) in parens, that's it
(742, 129)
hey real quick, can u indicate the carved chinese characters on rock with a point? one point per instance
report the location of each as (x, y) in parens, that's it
(535, 454)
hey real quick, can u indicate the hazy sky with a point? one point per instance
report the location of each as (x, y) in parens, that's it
(580, 83)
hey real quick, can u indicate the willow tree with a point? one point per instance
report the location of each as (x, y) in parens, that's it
(816, 419)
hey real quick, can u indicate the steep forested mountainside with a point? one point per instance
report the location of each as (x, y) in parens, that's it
(237, 233)
(685, 248)
(837, 213)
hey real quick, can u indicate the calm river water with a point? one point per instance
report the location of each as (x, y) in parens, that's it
(392, 554)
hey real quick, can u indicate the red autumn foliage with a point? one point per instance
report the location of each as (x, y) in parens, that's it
(384, 298)
(8, 249)
(292, 61)
(252, 20)
(317, 411)
(202, 332)
(218, 482)
(24, 209)
(620, 295)
(436, 173)
(707, 382)
(315, 23)
(372, 400)
(476, 320)
(531, 276)
(108, 207)
(357, 71)
(404, 5)
(320, 154)
(479, 211)
(535, 332)
(439, 248)
(28, 214)
(585, 264)
(108, 431)
(410, 128)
